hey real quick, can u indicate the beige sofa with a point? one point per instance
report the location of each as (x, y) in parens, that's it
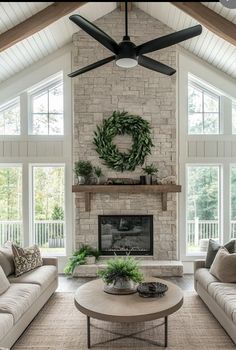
(219, 297)
(24, 298)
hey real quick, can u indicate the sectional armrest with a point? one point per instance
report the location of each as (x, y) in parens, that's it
(198, 264)
(50, 261)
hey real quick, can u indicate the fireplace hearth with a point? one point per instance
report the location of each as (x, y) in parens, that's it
(125, 234)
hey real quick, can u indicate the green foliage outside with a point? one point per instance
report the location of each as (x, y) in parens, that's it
(202, 196)
(10, 194)
(49, 193)
(79, 258)
(203, 111)
(121, 267)
(233, 194)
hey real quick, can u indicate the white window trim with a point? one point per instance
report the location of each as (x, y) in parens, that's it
(47, 85)
(188, 64)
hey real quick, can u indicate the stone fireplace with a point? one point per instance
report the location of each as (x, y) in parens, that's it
(139, 91)
(125, 234)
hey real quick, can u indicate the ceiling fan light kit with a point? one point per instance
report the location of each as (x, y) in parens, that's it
(126, 54)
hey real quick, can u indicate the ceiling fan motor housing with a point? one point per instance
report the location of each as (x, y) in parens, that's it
(126, 57)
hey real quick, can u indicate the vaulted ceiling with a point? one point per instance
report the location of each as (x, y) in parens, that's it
(207, 46)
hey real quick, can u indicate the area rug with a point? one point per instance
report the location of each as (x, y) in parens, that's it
(59, 325)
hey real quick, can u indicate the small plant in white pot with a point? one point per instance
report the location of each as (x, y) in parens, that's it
(99, 175)
(149, 171)
(83, 170)
(121, 273)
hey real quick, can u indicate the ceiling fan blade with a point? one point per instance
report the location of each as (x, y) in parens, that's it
(149, 63)
(168, 40)
(92, 66)
(95, 32)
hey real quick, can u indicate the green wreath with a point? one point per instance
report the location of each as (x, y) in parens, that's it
(121, 123)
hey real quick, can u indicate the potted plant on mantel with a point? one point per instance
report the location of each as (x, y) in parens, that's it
(121, 273)
(149, 170)
(83, 170)
(99, 175)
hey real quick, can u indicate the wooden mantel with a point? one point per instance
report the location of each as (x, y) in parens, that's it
(162, 189)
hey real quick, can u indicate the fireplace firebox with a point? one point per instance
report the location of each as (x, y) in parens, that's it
(122, 234)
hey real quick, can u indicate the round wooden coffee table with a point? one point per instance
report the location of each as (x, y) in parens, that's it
(91, 300)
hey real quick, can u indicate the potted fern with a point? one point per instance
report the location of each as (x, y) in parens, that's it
(149, 170)
(85, 255)
(121, 273)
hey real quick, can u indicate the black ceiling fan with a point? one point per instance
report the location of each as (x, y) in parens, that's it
(127, 54)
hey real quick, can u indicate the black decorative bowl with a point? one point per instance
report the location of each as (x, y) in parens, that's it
(152, 289)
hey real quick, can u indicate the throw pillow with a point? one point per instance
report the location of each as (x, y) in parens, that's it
(4, 283)
(6, 259)
(224, 266)
(213, 248)
(26, 259)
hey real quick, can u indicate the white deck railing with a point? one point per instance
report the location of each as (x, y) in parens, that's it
(47, 234)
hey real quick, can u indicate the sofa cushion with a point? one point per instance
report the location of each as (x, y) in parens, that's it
(4, 283)
(225, 296)
(18, 299)
(213, 248)
(26, 259)
(6, 323)
(43, 276)
(204, 277)
(6, 259)
(224, 266)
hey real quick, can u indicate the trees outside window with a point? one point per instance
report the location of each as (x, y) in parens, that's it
(202, 205)
(203, 110)
(47, 110)
(48, 208)
(10, 117)
(11, 204)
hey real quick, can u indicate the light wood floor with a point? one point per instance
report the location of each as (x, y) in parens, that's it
(68, 284)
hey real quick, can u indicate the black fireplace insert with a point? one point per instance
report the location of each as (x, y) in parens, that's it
(122, 234)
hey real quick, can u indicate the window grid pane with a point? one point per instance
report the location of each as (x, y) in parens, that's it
(202, 206)
(233, 202)
(203, 111)
(48, 208)
(47, 111)
(10, 118)
(11, 205)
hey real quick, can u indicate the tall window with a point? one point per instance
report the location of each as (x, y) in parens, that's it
(10, 117)
(233, 202)
(47, 110)
(202, 205)
(11, 204)
(48, 208)
(203, 110)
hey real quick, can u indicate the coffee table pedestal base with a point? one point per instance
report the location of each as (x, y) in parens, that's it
(132, 335)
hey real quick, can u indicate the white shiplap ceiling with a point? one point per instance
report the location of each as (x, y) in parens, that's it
(207, 46)
(48, 40)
